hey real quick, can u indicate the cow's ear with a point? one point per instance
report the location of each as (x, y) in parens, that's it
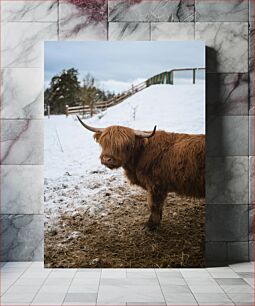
(97, 136)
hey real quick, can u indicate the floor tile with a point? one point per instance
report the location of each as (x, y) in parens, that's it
(57, 282)
(29, 282)
(88, 274)
(195, 273)
(5, 285)
(175, 289)
(114, 273)
(171, 281)
(249, 281)
(14, 304)
(19, 294)
(141, 273)
(205, 289)
(81, 297)
(62, 273)
(230, 281)
(243, 267)
(146, 303)
(246, 274)
(143, 295)
(18, 264)
(33, 273)
(84, 285)
(237, 289)
(46, 298)
(180, 299)
(201, 281)
(111, 295)
(222, 272)
(213, 299)
(79, 303)
(242, 299)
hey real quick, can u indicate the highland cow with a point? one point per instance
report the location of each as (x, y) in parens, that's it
(158, 161)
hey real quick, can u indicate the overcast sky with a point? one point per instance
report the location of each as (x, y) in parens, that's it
(115, 64)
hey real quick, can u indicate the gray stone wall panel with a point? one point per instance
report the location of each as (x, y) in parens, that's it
(227, 45)
(22, 93)
(227, 94)
(227, 136)
(234, 10)
(227, 223)
(22, 237)
(21, 142)
(227, 180)
(129, 31)
(153, 10)
(21, 189)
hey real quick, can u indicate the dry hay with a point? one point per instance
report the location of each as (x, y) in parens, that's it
(119, 239)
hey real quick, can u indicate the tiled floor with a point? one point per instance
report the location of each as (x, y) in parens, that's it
(27, 283)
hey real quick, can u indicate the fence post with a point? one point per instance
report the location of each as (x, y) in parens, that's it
(194, 76)
(171, 77)
(48, 110)
(67, 106)
(91, 110)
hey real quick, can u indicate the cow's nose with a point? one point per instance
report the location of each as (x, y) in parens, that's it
(107, 159)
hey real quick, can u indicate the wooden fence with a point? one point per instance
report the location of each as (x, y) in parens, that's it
(103, 105)
(166, 77)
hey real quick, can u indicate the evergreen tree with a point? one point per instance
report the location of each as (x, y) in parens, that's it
(64, 90)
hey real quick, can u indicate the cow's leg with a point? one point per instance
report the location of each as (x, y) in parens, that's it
(155, 203)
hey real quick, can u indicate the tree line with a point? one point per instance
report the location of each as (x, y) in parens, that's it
(66, 89)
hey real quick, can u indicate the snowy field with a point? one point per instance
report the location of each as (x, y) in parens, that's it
(75, 181)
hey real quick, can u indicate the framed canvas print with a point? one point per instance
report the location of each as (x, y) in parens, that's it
(124, 154)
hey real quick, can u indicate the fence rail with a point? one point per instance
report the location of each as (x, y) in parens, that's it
(166, 77)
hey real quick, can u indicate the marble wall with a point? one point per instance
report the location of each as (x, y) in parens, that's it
(228, 30)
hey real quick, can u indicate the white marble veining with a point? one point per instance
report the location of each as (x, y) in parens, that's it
(227, 180)
(251, 181)
(251, 135)
(251, 215)
(251, 11)
(22, 237)
(251, 68)
(227, 93)
(129, 31)
(227, 136)
(21, 142)
(22, 93)
(75, 23)
(22, 189)
(172, 31)
(234, 10)
(22, 43)
(153, 10)
(229, 45)
(22, 10)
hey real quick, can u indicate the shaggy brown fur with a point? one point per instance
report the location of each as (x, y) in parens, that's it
(166, 162)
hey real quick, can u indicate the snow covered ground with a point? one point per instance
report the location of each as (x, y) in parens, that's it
(74, 178)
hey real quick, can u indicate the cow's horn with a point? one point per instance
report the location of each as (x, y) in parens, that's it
(145, 134)
(90, 128)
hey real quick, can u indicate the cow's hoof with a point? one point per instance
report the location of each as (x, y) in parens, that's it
(151, 226)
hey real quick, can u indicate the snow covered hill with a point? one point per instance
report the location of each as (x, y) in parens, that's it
(179, 108)
(74, 177)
